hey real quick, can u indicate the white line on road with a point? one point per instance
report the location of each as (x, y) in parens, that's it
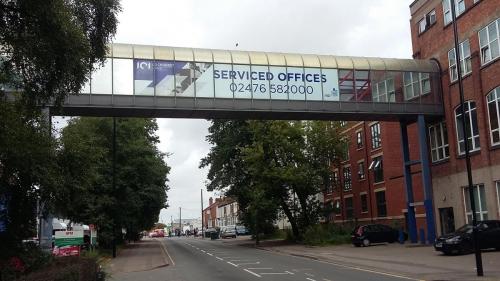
(309, 274)
(310, 279)
(221, 259)
(273, 273)
(259, 268)
(251, 272)
(203, 251)
(166, 251)
(241, 260)
(210, 254)
(289, 272)
(235, 265)
(258, 262)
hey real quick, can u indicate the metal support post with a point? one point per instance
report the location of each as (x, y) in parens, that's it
(426, 179)
(412, 222)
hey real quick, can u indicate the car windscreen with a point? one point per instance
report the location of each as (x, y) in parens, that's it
(465, 229)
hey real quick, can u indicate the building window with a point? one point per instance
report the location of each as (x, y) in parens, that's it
(470, 126)
(361, 170)
(426, 22)
(384, 91)
(488, 42)
(498, 195)
(459, 9)
(364, 203)
(465, 62)
(378, 169)
(359, 140)
(375, 133)
(335, 180)
(337, 208)
(343, 123)
(349, 208)
(493, 99)
(381, 204)
(347, 178)
(439, 142)
(479, 200)
(416, 84)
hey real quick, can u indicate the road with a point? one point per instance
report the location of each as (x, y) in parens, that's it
(205, 260)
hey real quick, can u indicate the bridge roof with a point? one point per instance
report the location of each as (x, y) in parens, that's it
(118, 50)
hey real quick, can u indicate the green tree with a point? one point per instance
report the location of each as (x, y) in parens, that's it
(287, 163)
(86, 159)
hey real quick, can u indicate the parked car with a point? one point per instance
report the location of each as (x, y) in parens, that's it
(460, 241)
(242, 230)
(228, 232)
(365, 235)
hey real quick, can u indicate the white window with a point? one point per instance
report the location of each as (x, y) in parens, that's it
(470, 126)
(375, 134)
(426, 22)
(384, 91)
(416, 84)
(493, 99)
(479, 202)
(422, 25)
(459, 9)
(439, 142)
(488, 42)
(432, 17)
(465, 62)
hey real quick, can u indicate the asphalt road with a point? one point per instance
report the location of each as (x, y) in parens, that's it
(205, 260)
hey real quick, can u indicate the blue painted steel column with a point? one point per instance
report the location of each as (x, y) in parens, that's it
(426, 179)
(412, 222)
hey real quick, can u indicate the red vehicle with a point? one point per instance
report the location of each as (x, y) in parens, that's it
(157, 233)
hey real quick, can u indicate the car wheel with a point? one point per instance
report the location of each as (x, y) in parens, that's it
(366, 242)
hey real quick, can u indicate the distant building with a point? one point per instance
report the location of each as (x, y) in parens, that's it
(210, 213)
(227, 212)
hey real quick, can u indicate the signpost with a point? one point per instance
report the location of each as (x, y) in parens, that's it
(67, 243)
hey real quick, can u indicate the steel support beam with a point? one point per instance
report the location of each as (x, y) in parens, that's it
(412, 222)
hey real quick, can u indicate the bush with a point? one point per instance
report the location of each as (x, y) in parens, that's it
(327, 234)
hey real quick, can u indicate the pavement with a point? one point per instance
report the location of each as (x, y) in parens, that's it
(143, 255)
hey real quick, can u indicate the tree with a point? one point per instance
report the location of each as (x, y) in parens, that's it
(88, 195)
(51, 46)
(287, 163)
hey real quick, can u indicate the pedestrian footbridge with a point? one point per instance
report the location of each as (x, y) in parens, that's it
(154, 81)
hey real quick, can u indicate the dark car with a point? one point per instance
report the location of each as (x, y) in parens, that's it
(365, 235)
(242, 230)
(460, 241)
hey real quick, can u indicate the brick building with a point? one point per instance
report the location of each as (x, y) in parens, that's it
(370, 186)
(210, 213)
(478, 24)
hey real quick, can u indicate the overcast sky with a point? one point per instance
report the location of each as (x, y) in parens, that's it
(353, 28)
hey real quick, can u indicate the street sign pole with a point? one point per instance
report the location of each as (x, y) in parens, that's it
(477, 249)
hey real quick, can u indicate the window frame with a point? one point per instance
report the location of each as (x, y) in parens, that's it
(465, 61)
(481, 214)
(389, 93)
(359, 139)
(361, 170)
(488, 43)
(347, 178)
(364, 202)
(379, 205)
(376, 139)
(447, 10)
(497, 188)
(377, 166)
(496, 101)
(349, 210)
(438, 132)
(476, 144)
(420, 81)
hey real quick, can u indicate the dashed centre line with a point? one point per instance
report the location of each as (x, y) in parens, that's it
(251, 272)
(310, 279)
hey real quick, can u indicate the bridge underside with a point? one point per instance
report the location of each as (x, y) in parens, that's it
(209, 108)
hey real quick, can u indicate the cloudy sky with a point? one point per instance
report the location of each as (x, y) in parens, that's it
(353, 28)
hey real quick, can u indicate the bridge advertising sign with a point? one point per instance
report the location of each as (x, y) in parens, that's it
(209, 80)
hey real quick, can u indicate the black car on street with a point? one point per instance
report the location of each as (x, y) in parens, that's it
(365, 235)
(460, 241)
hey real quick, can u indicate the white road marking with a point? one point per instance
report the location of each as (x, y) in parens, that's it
(210, 254)
(241, 260)
(260, 268)
(289, 272)
(310, 279)
(251, 272)
(235, 265)
(166, 251)
(258, 262)
(219, 258)
(273, 273)
(203, 251)
(309, 274)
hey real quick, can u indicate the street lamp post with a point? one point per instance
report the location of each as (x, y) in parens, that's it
(477, 249)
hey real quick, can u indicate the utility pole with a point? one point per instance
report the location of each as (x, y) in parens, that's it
(114, 184)
(475, 234)
(202, 227)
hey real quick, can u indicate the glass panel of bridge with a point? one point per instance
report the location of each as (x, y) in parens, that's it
(224, 85)
(278, 84)
(243, 89)
(346, 85)
(164, 78)
(101, 79)
(331, 85)
(296, 88)
(260, 82)
(383, 86)
(184, 78)
(314, 82)
(144, 77)
(204, 80)
(123, 77)
(363, 89)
